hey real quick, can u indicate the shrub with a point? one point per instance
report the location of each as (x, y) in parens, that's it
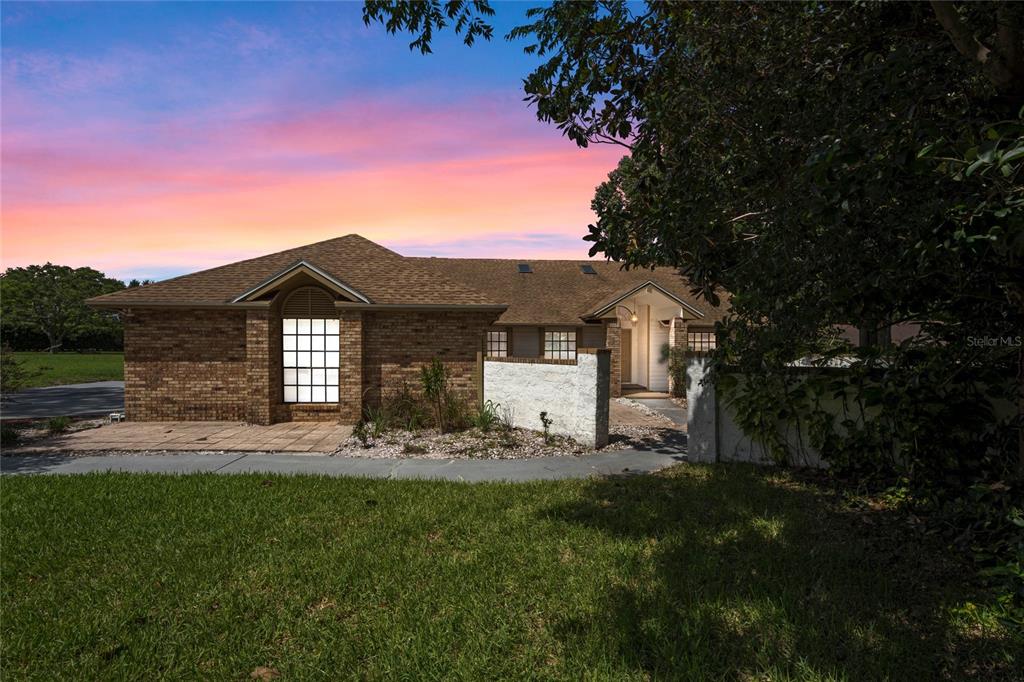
(58, 424)
(405, 408)
(485, 417)
(435, 388)
(677, 370)
(450, 411)
(362, 434)
(12, 374)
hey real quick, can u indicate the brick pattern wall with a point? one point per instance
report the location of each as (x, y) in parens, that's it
(396, 345)
(258, 367)
(186, 365)
(350, 374)
(614, 344)
(201, 365)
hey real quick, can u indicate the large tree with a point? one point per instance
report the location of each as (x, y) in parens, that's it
(826, 163)
(51, 299)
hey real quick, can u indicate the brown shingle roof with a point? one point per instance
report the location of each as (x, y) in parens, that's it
(383, 276)
(556, 292)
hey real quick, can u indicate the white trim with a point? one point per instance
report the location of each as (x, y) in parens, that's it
(635, 290)
(303, 264)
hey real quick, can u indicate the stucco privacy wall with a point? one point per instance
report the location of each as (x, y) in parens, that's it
(715, 436)
(574, 393)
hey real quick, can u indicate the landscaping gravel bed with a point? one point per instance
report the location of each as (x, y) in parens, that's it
(494, 444)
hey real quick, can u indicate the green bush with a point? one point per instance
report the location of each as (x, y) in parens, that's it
(12, 374)
(58, 424)
(405, 408)
(486, 417)
(677, 370)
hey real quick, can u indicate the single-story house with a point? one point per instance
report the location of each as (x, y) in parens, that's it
(318, 332)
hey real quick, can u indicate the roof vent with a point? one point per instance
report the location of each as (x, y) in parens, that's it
(309, 302)
(588, 269)
(524, 268)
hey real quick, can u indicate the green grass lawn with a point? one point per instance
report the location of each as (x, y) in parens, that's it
(699, 573)
(45, 369)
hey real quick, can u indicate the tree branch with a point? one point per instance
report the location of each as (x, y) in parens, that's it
(1001, 66)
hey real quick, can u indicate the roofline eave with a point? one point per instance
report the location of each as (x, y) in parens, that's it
(288, 272)
(649, 283)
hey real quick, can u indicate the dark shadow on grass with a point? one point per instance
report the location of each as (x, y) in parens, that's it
(750, 574)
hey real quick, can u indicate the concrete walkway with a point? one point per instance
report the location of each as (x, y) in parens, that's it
(665, 407)
(622, 462)
(312, 437)
(71, 400)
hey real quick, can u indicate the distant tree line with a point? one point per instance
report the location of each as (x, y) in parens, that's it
(42, 307)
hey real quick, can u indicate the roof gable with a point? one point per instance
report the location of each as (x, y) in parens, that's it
(297, 270)
(558, 292)
(379, 275)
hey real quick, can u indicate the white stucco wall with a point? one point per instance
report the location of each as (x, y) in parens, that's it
(714, 436)
(575, 396)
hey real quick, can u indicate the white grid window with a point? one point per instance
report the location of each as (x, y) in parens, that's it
(310, 361)
(700, 342)
(560, 345)
(497, 344)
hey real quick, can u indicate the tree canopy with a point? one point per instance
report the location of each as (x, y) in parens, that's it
(50, 299)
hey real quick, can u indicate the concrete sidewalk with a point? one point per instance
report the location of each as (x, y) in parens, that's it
(622, 462)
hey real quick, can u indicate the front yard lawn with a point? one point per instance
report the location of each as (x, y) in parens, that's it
(46, 369)
(698, 573)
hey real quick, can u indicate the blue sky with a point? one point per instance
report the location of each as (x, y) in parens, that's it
(150, 139)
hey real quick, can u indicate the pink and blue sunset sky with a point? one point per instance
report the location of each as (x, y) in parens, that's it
(150, 140)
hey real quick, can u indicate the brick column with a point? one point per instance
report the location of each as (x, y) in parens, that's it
(612, 343)
(676, 339)
(350, 372)
(258, 367)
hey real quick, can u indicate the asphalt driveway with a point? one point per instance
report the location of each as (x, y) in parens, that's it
(72, 400)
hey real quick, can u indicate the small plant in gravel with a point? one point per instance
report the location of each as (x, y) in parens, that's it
(362, 434)
(434, 378)
(58, 424)
(406, 408)
(486, 416)
(547, 422)
(414, 449)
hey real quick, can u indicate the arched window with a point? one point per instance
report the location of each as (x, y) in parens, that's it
(310, 347)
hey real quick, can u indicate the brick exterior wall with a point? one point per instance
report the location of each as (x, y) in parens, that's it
(186, 365)
(351, 374)
(258, 369)
(613, 343)
(396, 345)
(205, 365)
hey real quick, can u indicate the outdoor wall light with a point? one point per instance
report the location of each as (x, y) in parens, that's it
(632, 316)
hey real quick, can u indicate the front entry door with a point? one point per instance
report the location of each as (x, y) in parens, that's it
(626, 361)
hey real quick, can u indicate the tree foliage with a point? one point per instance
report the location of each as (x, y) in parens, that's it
(826, 164)
(50, 299)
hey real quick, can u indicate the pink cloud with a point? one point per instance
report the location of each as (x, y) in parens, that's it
(183, 193)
